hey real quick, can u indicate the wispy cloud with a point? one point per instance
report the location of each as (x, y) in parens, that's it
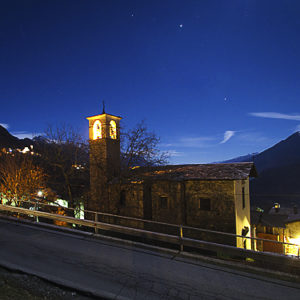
(175, 153)
(227, 136)
(6, 126)
(25, 134)
(275, 115)
(191, 142)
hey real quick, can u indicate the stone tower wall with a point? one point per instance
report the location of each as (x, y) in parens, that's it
(104, 163)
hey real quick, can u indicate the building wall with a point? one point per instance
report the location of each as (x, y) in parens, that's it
(221, 216)
(293, 229)
(293, 236)
(184, 208)
(172, 212)
(98, 176)
(242, 211)
(132, 203)
(180, 203)
(104, 163)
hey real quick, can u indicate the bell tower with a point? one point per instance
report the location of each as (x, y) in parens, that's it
(104, 140)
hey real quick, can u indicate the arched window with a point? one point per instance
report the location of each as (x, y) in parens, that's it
(97, 132)
(113, 129)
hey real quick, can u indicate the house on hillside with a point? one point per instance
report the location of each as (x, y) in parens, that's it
(210, 196)
(280, 224)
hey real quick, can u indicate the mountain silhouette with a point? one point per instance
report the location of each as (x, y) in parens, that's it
(243, 158)
(7, 140)
(286, 152)
(278, 174)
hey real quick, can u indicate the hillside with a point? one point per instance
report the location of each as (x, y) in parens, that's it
(279, 174)
(284, 153)
(9, 141)
(243, 158)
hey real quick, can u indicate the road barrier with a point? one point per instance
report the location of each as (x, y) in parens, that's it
(274, 260)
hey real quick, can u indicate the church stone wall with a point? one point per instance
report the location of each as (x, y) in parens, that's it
(98, 177)
(171, 210)
(180, 203)
(221, 216)
(130, 206)
(183, 205)
(132, 203)
(242, 212)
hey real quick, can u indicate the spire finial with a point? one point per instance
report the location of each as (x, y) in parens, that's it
(103, 103)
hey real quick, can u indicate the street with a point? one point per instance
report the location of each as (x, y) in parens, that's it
(113, 271)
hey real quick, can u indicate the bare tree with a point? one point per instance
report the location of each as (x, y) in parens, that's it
(139, 147)
(20, 178)
(64, 155)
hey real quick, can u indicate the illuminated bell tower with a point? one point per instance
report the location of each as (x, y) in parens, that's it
(104, 139)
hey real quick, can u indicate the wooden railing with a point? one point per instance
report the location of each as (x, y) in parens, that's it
(277, 261)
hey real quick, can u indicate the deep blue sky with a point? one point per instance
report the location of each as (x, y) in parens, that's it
(193, 69)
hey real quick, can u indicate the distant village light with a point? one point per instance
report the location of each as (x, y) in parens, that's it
(25, 150)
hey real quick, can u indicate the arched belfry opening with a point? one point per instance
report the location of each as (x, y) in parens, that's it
(104, 140)
(113, 129)
(97, 130)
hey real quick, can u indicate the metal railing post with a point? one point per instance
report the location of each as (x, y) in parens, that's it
(36, 218)
(181, 236)
(96, 220)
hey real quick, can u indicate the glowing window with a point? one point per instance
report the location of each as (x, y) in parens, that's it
(97, 134)
(113, 129)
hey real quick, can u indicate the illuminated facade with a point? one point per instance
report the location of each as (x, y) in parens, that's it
(211, 196)
(281, 224)
(208, 196)
(104, 139)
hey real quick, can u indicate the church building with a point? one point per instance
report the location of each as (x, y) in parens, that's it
(209, 196)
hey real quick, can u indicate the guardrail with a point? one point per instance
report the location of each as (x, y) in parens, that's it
(280, 262)
(173, 229)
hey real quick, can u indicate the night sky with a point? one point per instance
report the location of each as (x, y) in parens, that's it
(214, 79)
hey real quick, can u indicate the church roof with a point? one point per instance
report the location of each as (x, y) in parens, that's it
(226, 171)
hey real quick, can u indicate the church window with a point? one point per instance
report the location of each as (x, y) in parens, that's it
(269, 229)
(113, 129)
(204, 204)
(163, 202)
(97, 131)
(123, 198)
(243, 197)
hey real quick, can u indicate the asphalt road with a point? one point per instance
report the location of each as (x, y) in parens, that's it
(112, 271)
